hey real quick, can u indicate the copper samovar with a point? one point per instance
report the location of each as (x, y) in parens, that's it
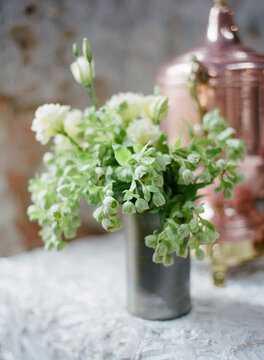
(226, 74)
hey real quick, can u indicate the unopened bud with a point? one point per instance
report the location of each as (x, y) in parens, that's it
(128, 208)
(75, 49)
(87, 52)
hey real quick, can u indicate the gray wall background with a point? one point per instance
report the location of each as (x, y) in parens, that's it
(130, 40)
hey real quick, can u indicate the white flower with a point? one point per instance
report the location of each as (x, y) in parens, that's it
(155, 107)
(71, 122)
(62, 142)
(81, 70)
(127, 105)
(48, 121)
(141, 131)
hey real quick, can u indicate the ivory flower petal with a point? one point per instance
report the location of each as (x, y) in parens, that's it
(48, 121)
(141, 131)
(71, 122)
(127, 105)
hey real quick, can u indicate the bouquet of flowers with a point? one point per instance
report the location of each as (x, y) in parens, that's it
(117, 157)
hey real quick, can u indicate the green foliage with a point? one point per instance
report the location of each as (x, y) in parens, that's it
(108, 171)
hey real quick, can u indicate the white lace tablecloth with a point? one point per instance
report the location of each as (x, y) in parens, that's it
(71, 306)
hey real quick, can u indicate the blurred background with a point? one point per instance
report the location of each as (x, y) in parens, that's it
(130, 40)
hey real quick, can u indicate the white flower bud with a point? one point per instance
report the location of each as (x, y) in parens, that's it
(81, 70)
(110, 202)
(155, 107)
(187, 177)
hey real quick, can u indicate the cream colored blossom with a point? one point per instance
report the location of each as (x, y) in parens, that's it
(141, 131)
(62, 142)
(127, 105)
(155, 107)
(48, 121)
(71, 122)
(81, 70)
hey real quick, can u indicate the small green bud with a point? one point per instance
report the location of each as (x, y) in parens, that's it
(60, 245)
(55, 211)
(75, 49)
(228, 193)
(48, 158)
(151, 241)
(141, 205)
(221, 164)
(161, 249)
(187, 177)
(108, 225)
(239, 177)
(199, 254)
(184, 230)
(98, 214)
(205, 176)
(87, 50)
(168, 260)
(108, 211)
(128, 208)
(99, 172)
(110, 202)
(183, 251)
(194, 225)
(158, 199)
(156, 258)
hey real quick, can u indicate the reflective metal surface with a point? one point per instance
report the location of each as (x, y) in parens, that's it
(236, 87)
(154, 292)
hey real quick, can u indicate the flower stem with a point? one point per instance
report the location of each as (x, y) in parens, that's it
(92, 86)
(88, 91)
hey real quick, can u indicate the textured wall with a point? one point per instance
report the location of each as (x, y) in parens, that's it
(130, 40)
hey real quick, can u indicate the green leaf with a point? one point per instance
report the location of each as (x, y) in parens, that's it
(208, 224)
(146, 193)
(137, 148)
(64, 190)
(212, 151)
(225, 134)
(122, 154)
(177, 143)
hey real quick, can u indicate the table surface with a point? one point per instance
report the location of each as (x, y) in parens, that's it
(71, 305)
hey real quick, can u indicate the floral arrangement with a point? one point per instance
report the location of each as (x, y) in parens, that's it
(117, 156)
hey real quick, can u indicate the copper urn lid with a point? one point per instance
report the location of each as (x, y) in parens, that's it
(236, 79)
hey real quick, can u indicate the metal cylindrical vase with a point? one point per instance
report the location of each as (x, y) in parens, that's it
(154, 292)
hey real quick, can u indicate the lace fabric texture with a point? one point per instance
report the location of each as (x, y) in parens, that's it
(71, 305)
